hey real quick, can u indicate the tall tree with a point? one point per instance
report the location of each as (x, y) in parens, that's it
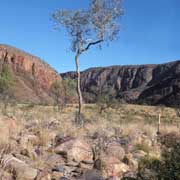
(86, 28)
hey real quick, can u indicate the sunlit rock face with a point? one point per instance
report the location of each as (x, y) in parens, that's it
(33, 76)
(149, 84)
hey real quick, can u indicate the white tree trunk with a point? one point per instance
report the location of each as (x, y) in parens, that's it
(80, 100)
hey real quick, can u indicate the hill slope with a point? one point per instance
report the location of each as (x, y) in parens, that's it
(150, 84)
(33, 77)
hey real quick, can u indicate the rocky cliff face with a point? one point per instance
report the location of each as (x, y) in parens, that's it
(33, 77)
(151, 84)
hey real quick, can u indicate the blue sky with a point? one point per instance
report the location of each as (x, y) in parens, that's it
(149, 33)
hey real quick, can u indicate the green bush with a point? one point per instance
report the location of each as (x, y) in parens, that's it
(143, 146)
(171, 156)
(57, 91)
(7, 83)
(70, 86)
(149, 169)
(6, 79)
(168, 166)
(105, 101)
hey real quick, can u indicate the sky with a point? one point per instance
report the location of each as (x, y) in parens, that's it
(150, 33)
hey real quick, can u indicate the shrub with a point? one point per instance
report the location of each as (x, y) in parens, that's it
(70, 87)
(6, 78)
(143, 146)
(149, 169)
(6, 86)
(171, 156)
(168, 166)
(57, 90)
(106, 101)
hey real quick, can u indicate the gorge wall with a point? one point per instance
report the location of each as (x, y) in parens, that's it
(32, 75)
(147, 84)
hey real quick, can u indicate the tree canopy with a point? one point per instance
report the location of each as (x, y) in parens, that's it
(89, 27)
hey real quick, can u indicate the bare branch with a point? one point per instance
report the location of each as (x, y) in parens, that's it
(91, 44)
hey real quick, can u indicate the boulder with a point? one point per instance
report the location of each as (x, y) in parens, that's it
(54, 159)
(5, 175)
(57, 175)
(114, 149)
(130, 161)
(77, 150)
(20, 169)
(44, 175)
(92, 175)
(60, 139)
(113, 167)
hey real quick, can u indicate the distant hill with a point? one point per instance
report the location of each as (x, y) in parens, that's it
(33, 77)
(147, 84)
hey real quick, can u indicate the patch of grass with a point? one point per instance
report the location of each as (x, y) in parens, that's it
(143, 147)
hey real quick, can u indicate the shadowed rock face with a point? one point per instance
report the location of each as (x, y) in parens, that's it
(33, 76)
(151, 84)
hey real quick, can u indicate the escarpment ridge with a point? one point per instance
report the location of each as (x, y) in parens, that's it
(32, 75)
(148, 84)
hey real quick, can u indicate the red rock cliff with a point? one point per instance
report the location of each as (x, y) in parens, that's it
(34, 76)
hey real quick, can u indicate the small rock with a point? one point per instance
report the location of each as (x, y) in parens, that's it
(57, 175)
(60, 138)
(132, 175)
(139, 154)
(44, 175)
(92, 175)
(98, 164)
(22, 158)
(86, 165)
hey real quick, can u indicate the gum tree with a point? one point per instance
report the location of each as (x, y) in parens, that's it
(87, 28)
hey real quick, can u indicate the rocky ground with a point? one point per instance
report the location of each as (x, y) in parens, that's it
(40, 143)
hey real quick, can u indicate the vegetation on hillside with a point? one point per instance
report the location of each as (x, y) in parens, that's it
(7, 83)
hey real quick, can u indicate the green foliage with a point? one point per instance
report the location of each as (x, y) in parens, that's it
(56, 88)
(168, 166)
(70, 86)
(105, 101)
(171, 156)
(57, 91)
(143, 146)
(7, 83)
(149, 168)
(6, 79)
(92, 26)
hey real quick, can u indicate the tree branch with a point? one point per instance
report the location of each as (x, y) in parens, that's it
(91, 44)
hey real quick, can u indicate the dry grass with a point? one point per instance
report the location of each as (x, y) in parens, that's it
(45, 122)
